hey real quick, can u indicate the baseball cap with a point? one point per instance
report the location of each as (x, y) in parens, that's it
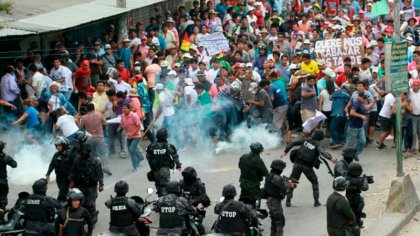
(177, 64)
(159, 87)
(249, 64)
(107, 46)
(172, 72)
(252, 86)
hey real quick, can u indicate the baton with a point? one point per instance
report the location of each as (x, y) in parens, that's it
(148, 128)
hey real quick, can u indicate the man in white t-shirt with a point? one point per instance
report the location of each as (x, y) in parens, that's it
(65, 123)
(385, 119)
(116, 81)
(37, 83)
(414, 108)
(167, 110)
(190, 94)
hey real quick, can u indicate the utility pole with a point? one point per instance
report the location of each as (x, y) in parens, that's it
(398, 115)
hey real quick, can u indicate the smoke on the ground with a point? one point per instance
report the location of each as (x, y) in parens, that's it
(32, 159)
(242, 137)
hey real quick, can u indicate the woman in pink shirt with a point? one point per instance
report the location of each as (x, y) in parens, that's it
(130, 121)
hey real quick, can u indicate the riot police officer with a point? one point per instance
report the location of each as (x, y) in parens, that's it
(275, 188)
(124, 211)
(85, 175)
(340, 168)
(253, 170)
(71, 220)
(234, 217)
(5, 160)
(357, 184)
(307, 158)
(162, 157)
(61, 163)
(339, 213)
(193, 189)
(173, 211)
(39, 210)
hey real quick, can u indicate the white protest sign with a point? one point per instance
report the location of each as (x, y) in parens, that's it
(215, 43)
(333, 51)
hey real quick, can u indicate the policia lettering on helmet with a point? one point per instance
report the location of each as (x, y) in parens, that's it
(234, 217)
(253, 170)
(173, 211)
(275, 189)
(124, 211)
(162, 157)
(71, 220)
(5, 160)
(307, 158)
(39, 210)
(341, 167)
(85, 175)
(339, 213)
(61, 163)
(357, 184)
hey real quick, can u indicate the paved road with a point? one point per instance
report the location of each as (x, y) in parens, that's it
(216, 171)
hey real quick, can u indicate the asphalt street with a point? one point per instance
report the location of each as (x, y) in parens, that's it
(216, 171)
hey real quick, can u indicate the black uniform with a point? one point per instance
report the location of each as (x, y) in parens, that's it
(357, 203)
(162, 157)
(195, 192)
(234, 218)
(73, 221)
(86, 173)
(339, 215)
(173, 214)
(61, 163)
(124, 214)
(276, 188)
(5, 161)
(39, 214)
(340, 168)
(307, 158)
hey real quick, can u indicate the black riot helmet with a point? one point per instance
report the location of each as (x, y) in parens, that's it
(162, 134)
(84, 150)
(40, 187)
(317, 135)
(349, 154)
(121, 187)
(354, 170)
(229, 191)
(256, 147)
(60, 140)
(278, 165)
(80, 136)
(74, 194)
(173, 187)
(2, 145)
(189, 173)
(340, 183)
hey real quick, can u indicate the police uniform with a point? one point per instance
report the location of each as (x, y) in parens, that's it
(162, 157)
(61, 163)
(124, 214)
(5, 161)
(234, 218)
(307, 158)
(357, 202)
(339, 214)
(173, 213)
(86, 173)
(253, 170)
(73, 221)
(195, 192)
(39, 214)
(276, 188)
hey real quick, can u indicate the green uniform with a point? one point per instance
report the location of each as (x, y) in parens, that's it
(339, 215)
(253, 170)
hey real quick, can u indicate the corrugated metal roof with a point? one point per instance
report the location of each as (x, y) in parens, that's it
(14, 32)
(76, 15)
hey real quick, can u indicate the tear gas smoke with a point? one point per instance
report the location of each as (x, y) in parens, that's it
(242, 137)
(32, 159)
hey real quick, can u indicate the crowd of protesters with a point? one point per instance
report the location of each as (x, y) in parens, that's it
(270, 75)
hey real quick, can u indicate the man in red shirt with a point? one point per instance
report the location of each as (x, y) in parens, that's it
(130, 121)
(343, 77)
(124, 73)
(82, 81)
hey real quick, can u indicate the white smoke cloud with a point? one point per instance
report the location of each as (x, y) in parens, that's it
(242, 137)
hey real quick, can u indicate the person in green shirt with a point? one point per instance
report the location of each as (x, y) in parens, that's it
(204, 98)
